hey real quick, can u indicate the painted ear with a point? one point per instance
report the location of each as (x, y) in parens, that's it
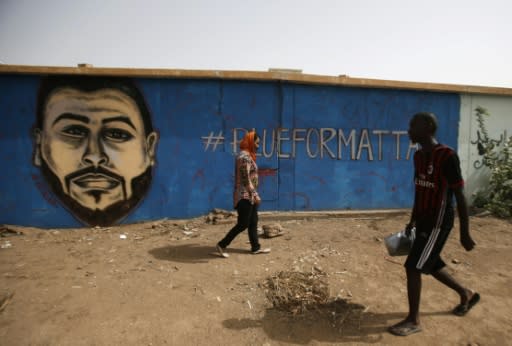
(151, 142)
(36, 160)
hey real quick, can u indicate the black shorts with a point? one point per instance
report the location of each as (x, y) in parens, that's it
(425, 254)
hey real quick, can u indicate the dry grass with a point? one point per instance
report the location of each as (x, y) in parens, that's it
(297, 292)
(306, 295)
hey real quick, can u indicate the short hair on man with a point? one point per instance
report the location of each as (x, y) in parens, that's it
(429, 118)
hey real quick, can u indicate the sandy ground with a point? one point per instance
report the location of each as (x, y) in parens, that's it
(162, 286)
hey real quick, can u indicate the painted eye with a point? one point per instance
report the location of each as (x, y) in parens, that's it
(76, 131)
(117, 135)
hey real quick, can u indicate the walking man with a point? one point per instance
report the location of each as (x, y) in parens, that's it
(437, 179)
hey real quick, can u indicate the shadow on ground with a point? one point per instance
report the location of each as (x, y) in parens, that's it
(191, 253)
(362, 327)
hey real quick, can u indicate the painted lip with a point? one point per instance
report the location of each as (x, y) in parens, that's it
(96, 182)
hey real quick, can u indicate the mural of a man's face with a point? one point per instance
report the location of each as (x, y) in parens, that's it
(93, 145)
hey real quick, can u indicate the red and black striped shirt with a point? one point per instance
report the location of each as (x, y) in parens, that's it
(436, 174)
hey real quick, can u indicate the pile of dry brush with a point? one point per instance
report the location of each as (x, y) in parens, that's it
(306, 294)
(297, 292)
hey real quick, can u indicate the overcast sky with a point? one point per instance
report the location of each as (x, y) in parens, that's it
(448, 41)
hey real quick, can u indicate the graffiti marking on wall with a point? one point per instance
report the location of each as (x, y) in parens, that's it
(320, 143)
(212, 140)
(95, 145)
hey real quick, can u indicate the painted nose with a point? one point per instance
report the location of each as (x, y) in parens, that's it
(95, 155)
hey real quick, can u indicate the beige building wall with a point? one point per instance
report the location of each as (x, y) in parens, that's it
(499, 126)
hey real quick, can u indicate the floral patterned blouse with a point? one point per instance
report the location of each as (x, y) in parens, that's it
(246, 178)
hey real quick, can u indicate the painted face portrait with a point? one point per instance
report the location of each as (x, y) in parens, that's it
(95, 146)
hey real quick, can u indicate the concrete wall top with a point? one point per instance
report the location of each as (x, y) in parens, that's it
(290, 76)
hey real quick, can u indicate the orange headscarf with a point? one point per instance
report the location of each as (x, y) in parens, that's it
(247, 144)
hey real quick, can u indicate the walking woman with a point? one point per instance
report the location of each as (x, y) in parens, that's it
(245, 196)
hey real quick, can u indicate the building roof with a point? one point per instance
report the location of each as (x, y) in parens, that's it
(284, 75)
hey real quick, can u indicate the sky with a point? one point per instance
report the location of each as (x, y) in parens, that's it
(466, 42)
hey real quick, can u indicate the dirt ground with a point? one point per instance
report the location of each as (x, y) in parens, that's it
(157, 283)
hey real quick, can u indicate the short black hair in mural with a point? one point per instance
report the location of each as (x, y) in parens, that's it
(95, 145)
(92, 83)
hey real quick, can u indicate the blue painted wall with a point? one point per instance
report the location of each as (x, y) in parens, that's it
(303, 166)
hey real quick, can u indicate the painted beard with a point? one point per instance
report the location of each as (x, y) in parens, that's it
(95, 217)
